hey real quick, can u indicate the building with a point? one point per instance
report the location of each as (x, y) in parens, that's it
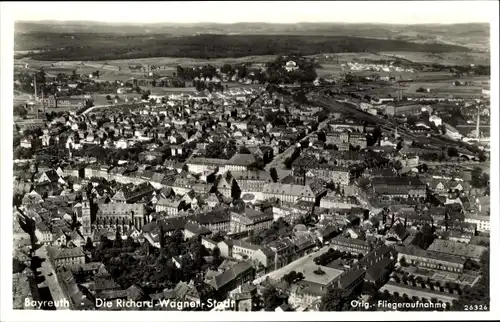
(201, 165)
(403, 187)
(250, 220)
(482, 222)
(403, 109)
(67, 257)
(240, 162)
(42, 233)
(232, 278)
(283, 251)
(251, 181)
(64, 102)
(215, 221)
(291, 66)
(354, 246)
(465, 251)
(171, 207)
(430, 259)
(243, 249)
(120, 216)
(85, 218)
(345, 139)
(193, 229)
(288, 192)
(333, 201)
(30, 124)
(349, 280)
(311, 167)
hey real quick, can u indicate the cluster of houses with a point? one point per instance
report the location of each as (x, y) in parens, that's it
(374, 216)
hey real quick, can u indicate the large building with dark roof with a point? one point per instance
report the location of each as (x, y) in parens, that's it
(430, 259)
(233, 277)
(120, 216)
(465, 251)
(404, 187)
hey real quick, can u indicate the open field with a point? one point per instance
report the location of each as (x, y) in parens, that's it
(455, 58)
(119, 69)
(328, 58)
(444, 88)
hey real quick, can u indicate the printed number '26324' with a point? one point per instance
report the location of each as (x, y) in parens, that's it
(476, 308)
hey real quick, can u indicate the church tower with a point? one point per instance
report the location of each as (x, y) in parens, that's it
(86, 219)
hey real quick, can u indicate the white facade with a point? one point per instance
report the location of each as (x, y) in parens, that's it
(482, 222)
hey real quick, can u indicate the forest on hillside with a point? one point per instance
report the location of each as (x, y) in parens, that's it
(88, 46)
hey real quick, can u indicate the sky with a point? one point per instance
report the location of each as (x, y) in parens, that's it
(391, 12)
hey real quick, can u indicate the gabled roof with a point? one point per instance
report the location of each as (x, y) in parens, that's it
(232, 273)
(196, 228)
(119, 196)
(135, 293)
(347, 278)
(62, 253)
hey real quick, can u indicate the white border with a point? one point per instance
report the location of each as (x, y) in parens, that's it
(7, 314)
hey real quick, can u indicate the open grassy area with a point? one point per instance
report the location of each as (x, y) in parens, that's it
(455, 58)
(443, 87)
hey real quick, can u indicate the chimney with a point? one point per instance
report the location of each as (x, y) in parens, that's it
(477, 125)
(34, 85)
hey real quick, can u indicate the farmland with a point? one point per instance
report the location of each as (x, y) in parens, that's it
(455, 58)
(443, 88)
(119, 69)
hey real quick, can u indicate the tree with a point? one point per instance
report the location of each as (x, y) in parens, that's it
(145, 95)
(321, 136)
(452, 152)
(216, 252)
(482, 157)
(20, 111)
(398, 166)
(244, 150)
(479, 179)
(108, 97)
(218, 237)
(271, 298)
(332, 300)
(161, 235)
(274, 174)
(117, 243)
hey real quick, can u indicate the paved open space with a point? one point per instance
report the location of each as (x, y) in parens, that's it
(305, 265)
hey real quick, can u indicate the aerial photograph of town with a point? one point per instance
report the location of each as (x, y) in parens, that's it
(249, 166)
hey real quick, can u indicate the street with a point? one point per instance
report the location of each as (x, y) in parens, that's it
(280, 158)
(48, 272)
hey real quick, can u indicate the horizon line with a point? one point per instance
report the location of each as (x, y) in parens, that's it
(249, 22)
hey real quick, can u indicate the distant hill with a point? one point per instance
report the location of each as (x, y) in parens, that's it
(105, 46)
(475, 35)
